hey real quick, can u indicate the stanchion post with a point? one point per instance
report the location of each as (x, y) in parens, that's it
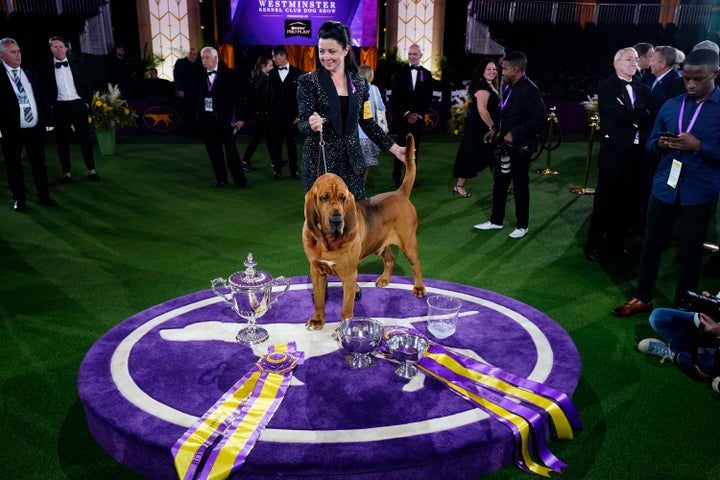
(594, 122)
(552, 118)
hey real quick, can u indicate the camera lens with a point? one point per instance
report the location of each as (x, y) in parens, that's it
(505, 163)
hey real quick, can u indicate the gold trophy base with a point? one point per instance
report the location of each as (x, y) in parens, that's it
(546, 171)
(583, 191)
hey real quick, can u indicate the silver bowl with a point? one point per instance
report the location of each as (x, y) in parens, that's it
(407, 349)
(360, 336)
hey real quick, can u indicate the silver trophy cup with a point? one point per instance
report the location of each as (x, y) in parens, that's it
(250, 297)
(407, 349)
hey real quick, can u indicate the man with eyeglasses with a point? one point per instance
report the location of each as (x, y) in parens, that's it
(624, 105)
(23, 116)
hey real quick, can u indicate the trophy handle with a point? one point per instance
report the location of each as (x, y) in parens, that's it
(281, 292)
(223, 283)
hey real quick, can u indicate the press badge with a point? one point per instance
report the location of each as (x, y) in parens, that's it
(208, 104)
(674, 173)
(367, 113)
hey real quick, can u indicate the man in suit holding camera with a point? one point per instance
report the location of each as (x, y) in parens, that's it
(70, 93)
(522, 119)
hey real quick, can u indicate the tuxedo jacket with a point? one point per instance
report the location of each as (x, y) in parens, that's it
(81, 80)
(620, 121)
(404, 98)
(226, 92)
(666, 88)
(282, 95)
(523, 114)
(317, 93)
(10, 111)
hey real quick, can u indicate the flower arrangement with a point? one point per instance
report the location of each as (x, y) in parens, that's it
(593, 113)
(109, 111)
(458, 113)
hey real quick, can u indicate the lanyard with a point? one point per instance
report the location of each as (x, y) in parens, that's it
(692, 120)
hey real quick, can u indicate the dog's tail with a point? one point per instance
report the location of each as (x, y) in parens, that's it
(409, 179)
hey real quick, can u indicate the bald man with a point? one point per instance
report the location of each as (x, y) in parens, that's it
(411, 98)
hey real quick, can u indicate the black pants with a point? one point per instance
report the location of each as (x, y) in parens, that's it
(404, 128)
(283, 131)
(518, 174)
(67, 114)
(217, 136)
(33, 140)
(261, 131)
(693, 222)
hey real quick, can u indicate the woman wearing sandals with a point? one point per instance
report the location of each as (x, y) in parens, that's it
(474, 154)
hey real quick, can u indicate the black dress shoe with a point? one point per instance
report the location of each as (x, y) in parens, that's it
(295, 175)
(219, 184)
(94, 177)
(19, 205)
(66, 179)
(48, 201)
(276, 176)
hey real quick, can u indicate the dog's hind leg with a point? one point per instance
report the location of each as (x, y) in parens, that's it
(388, 265)
(410, 250)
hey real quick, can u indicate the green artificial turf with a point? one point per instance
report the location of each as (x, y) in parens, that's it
(153, 229)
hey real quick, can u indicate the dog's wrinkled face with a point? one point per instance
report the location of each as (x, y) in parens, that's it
(332, 200)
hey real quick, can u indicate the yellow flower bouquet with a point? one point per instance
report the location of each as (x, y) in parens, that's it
(458, 113)
(108, 111)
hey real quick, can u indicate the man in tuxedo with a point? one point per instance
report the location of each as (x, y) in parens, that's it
(624, 105)
(70, 93)
(411, 97)
(283, 111)
(23, 117)
(185, 72)
(220, 115)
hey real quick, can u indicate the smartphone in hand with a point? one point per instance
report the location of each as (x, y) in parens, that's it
(668, 134)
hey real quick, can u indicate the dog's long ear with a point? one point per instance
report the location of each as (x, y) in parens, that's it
(350, 215)
(312, 217)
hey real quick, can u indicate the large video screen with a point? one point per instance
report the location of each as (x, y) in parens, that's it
(296, 22)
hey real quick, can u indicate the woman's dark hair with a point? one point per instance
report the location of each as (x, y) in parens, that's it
(259, 64)
(480, 69)
(332, 30)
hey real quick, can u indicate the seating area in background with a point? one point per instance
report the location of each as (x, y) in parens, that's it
(567, 60)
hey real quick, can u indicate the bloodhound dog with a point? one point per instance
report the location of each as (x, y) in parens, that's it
(339, 233)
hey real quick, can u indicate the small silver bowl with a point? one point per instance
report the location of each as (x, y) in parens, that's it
(407, 349)
(360, 336)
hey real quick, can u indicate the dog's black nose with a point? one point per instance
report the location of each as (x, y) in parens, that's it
(336, 221)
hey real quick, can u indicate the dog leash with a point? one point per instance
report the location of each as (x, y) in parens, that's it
(322, 149)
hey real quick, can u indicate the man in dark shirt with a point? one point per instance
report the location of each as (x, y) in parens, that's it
(522, 118)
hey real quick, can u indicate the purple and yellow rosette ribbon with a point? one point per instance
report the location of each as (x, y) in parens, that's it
(220, 441)
(521, 404)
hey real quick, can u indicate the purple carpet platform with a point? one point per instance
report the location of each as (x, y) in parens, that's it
(146, 381)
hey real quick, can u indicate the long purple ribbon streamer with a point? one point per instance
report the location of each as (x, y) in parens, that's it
(559, 397)
(539, 445)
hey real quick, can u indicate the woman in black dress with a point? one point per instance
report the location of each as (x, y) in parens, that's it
(257, 103)
(474, 154)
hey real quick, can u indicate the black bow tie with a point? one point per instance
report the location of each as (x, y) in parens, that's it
(415, 67)
(61, 64)
(212, 72)
(282, 68)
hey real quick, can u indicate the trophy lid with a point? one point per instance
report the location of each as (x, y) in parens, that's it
(250, 279)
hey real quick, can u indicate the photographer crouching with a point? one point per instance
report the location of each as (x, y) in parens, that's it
(692, 336)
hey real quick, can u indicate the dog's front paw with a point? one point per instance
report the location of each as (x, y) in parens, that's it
(314, 324)
(419, 291)
(382, 281)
